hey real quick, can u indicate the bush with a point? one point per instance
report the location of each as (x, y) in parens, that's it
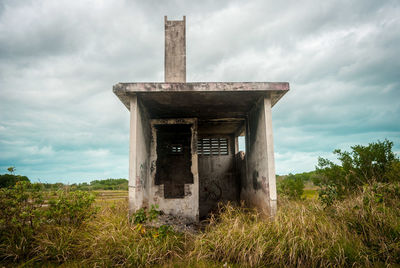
(21, 215)
(291, 187)
(25, 219)
(363, 165)
(70, 207)
(8, 180)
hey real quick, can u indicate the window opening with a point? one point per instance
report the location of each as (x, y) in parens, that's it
(212, 146)
(176, 149)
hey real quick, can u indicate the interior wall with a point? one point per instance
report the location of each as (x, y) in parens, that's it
(258, 186)
(218, 179)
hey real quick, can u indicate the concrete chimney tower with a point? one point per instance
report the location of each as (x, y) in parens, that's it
(175, 50)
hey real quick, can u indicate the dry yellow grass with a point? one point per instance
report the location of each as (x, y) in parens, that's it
(362, 230)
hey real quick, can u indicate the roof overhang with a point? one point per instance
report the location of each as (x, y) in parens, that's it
(203, 100)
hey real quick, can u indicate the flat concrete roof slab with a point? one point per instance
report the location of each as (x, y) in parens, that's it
(202, 100)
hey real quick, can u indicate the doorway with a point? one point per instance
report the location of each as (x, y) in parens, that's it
(174, 159)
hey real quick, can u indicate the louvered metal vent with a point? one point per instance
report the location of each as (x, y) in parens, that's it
(212, 146)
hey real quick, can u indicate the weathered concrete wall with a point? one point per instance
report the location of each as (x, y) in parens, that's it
(175, 50)
(139, 155)
(241, 169)
(217, 176)
(259, 186)
(188, 206)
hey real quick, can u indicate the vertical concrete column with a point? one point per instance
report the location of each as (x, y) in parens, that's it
(195, 171)
(134, 190)
(175, 50)
(270, 155)
(259, 186)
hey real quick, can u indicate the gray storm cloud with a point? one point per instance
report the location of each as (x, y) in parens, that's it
(59, 120)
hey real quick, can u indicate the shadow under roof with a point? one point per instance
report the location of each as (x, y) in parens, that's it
(201, 99)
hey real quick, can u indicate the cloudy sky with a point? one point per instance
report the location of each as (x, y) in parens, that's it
(60, 121)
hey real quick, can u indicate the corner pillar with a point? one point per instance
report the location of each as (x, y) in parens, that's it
(134, 185)
(259, 185)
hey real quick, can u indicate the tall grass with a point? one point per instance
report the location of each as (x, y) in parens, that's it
(300, 235)
(107, 240)
(111, 240)
(362, 230)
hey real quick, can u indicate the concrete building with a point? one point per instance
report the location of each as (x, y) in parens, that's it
(184, 153)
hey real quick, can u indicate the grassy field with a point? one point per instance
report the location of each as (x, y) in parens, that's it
(310, 193)
(359, 231)
(111, 195)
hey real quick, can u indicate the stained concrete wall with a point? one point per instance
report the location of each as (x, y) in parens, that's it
(188, 206)
(218, 178)
(259, 186)
(139, 155)
(175, 50)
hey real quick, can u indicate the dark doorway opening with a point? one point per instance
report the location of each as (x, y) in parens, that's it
(174, 160)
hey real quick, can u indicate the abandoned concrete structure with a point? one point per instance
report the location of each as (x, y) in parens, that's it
(184, 153)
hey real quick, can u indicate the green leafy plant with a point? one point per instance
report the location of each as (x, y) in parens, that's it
(71, 207)
(291, 187)
(9, 180)
(153, 213)
(363, 165)
(21, 215)
(25, 218)
(142, 215)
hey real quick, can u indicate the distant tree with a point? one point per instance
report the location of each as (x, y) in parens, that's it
(11, 170)
(291, 186)
(363, 165)
(8, 180)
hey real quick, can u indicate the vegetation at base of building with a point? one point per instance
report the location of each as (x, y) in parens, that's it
(358, 228)
(361, 230)
(68, 228)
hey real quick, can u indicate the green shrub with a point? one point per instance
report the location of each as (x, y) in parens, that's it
(291, 187)
(21, 215)
(71, 207)
(142, 215)
(26, 220)
(363, 165)
(8, 180)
